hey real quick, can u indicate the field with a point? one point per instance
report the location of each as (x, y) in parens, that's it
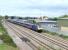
(7, 43)
(6, 47)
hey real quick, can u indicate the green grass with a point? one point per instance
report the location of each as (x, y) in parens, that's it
(5, 37)
(59, 35)
(63, 36)
(7, 47)
(8, 42)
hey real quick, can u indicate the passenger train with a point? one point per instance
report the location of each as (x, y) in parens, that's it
(25, 23)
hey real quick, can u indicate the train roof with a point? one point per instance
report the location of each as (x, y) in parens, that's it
(47, 21)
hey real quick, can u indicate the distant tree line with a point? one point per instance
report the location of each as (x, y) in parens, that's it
(55, 18)
(64, 16)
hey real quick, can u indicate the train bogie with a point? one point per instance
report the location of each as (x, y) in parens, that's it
(34, 27)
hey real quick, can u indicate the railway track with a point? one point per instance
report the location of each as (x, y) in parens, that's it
(44, 37)
(51, 40)
(28, 43)
(34, 39)
(56, 38)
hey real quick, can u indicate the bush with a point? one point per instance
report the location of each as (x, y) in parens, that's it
(6, 39)
(39, 31)
(63, 36)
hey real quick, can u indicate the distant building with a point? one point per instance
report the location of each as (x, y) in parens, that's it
(51, 26)
(43, 18)
(63, 22)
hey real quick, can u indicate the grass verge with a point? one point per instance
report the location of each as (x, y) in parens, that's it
(53, 33)
(5, 37)
(7, 47)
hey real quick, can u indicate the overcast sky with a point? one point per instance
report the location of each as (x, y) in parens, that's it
(34, 7)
